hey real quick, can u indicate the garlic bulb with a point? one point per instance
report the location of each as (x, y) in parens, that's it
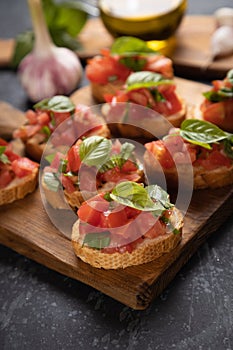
(48, 70)
(221, 41)
(224, 16)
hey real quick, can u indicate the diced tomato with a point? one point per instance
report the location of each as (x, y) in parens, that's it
(3, 142)
(43, 118)
(213, 160)
(91, 211)
(137, 96)
(117, 217)
(102, 69)
(161, 153)
(55, 164)
(74, 160)
(159, 64)
(174, 143)
(158, 229)
(129, 166)
(31, 116)
(23, 166)
(219, 113)
(11, 155)
(5, 177)
(132, 212)
(60, 117)
(67, 183)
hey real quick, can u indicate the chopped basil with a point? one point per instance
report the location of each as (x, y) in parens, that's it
(58, 103)
(46, 130)
(145, 79)
(136, 196)
(97, 240)
(118, 160)
(136, 64)
(95, 150)
(50, 157)
(52, 182)
(3, 157)
(157, 193)
(202, 133)
(228, 146)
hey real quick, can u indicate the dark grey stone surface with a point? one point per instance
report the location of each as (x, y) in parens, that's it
(41, 309)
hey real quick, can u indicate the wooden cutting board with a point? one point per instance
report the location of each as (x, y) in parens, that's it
(26, 228)
(192, 51)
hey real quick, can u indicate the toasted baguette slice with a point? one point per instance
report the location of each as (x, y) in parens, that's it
(202, 178)
(99, 90)
(148, 250)
(157, 126)
(19, 188)
(35, 145)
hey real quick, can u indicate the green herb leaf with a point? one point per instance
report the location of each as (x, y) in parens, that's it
(128, 46)
(157, 193)
(97, 240)
(118, 160)
(95, 150)
(57, 103)
(135, 196)
(136, 64)
(64, 20)
(202, 133)
(145, 79)
(51, 181)
(50, 157)
(228, 146)
(45, 129)
(23, 45)
(3, 157)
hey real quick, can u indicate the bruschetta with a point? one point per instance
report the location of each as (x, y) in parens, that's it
(159, 98)
(131, 225)
(48, 114)
(91, 165)
(18, 175)
(197, 144)
(217, 106)
(108, 71)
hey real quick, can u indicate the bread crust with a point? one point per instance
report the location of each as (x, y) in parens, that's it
(157, 127)
(202, 178)
(148, 250)
(18, 188)
(99, 90)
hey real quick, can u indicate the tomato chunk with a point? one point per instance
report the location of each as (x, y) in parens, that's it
(23, 166)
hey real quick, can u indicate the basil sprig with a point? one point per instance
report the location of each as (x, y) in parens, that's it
(224, 93)
(3, 157)
(152, 198)
(58, 103)
(118, 160)
(130, 46)
(202, 133)
(95, 150)
(97, 240)
(145, 79)
(52, 181)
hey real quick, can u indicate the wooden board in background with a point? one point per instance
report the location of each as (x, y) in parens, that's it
(26, 228)
(193, 44)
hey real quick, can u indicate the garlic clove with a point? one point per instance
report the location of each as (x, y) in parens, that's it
(221, 41)
(48, 70)
(57, 74)
(224, 16)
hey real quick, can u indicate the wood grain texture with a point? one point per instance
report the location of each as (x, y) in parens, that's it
(189, 57)
(26, 228)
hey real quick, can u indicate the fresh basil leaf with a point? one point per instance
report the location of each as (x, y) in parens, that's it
(23, 46)
(135, 196)
(50, 157)
(228, 146)
(202, 133)
(58, 103)
(67, 16)
(95, 150)
(118, 160)
(136, 64)
(97, 240)
(213, 96)
(51, 181)
(3, 157)
(45, 129)
(127, 44)
(145, 79)
(157, 193)
(230, 76)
